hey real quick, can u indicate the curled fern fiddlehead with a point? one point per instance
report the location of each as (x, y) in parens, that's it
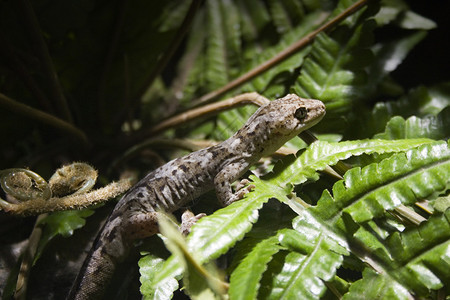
(76, 178)
(68, 188)
(24, 185)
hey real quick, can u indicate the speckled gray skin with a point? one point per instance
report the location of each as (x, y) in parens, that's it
(183, 179)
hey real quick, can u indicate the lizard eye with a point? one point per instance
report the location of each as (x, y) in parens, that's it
(301, 113)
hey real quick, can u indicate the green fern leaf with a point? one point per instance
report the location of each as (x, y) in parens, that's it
(420, 102)
(441, 204)
(149, 267)
(401, 179)
(214, 235)
(216, 55)
(245, 284)
(435, 127)
(282, 11)
(327, 218)
(374, 286)
(322, 154)
(334, 71)
(199, 280)
(304, 270)
(419, 263)
(277, 76)
(240, 36)
(254, 18)
(398, 12)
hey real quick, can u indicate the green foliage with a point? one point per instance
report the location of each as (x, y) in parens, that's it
(435, 127)
(423, 102)
(343, 69)
(321, 232)
(199, 282)
(245, 284)
(302, 232)
(334, 71)
(425, 170)
(61, 223)
(416, 263)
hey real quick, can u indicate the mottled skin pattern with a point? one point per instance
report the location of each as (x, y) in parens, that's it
(183, 179)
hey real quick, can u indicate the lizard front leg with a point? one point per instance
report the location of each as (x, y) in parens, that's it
(188, 219)
(223, 180)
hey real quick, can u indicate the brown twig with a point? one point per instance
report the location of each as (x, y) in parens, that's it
(43, 117)
(208, 110)
(283, 55)
(28, 258)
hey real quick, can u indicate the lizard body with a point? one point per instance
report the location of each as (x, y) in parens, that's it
(180, 181)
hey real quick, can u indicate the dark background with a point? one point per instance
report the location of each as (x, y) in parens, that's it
(429, 62)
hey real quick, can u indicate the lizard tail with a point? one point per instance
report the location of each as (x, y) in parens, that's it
(99, 266)
(94, 276)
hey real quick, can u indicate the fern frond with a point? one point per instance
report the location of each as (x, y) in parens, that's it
(403, 178)
(245, 284)
(420, 102)
(420, 261)
(435, 127)
(214, 235)
(209, 240)
(334, 71)
(276, 77)
(322, 154)
(216, 50)
(149, 267)
(303, 275)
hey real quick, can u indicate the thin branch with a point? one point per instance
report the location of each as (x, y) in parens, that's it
(41, 50)
(28, 258)
(280, 57)
(208, 110)
(43, 117)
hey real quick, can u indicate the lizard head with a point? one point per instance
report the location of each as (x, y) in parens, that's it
(275, 123)
(291, 114)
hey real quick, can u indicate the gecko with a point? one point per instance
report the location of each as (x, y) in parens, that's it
(183, 179)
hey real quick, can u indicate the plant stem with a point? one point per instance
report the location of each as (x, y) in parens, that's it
(208, 110)
(43, 117)
(283, 55)
(41, 49)
(28, 258)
